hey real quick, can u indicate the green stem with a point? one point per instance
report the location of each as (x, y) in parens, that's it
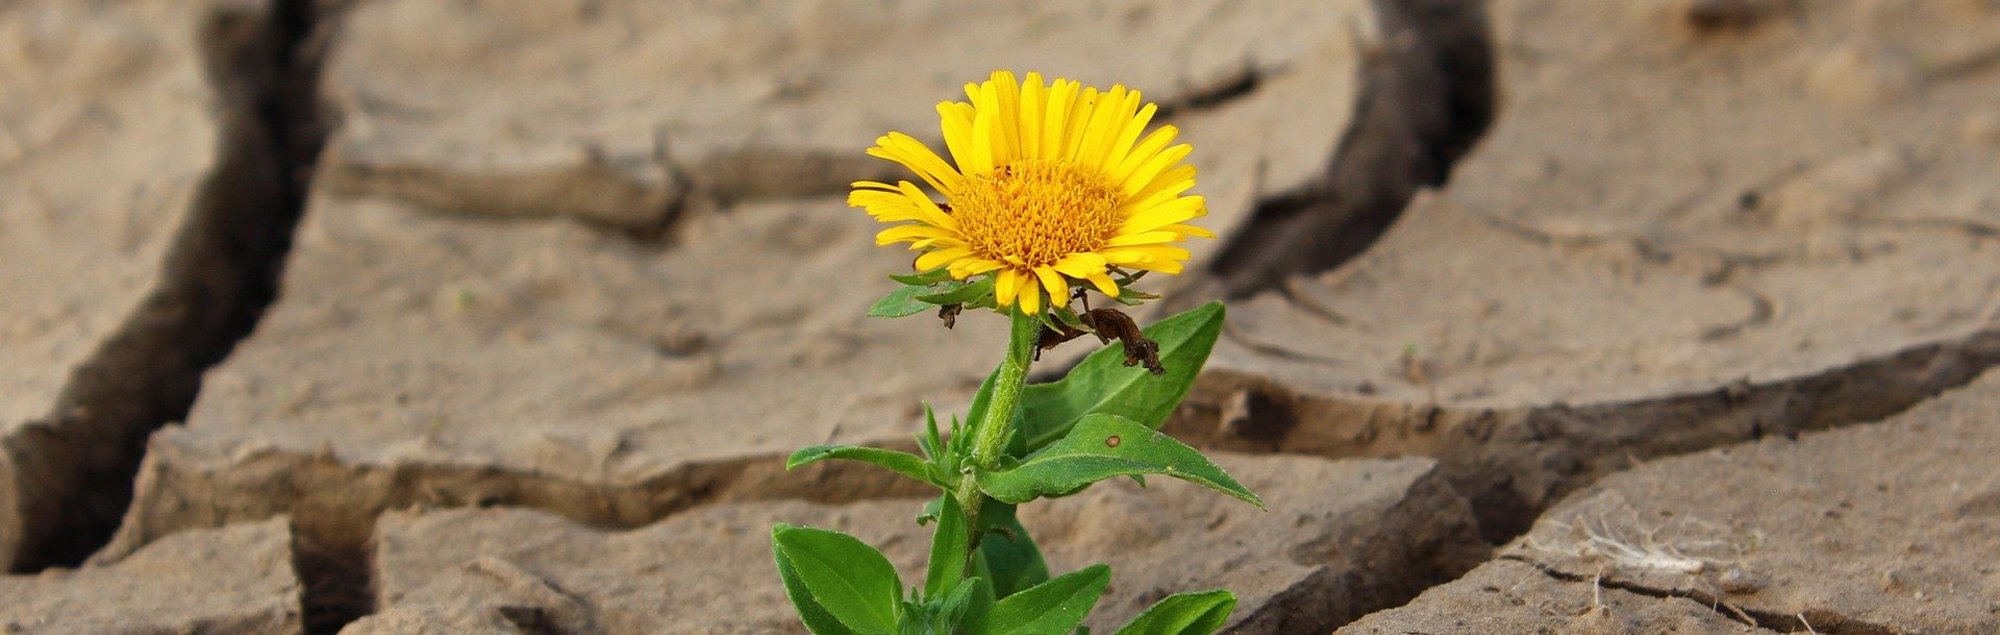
(1006, 397)
(991, 432)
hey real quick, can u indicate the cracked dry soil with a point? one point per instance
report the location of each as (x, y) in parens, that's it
(553, 259)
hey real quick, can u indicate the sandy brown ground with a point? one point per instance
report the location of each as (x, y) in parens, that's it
(236, 580)
(1354, 533)
(573, 275)
(1884, 528)
(1676, 234)
(140, 211)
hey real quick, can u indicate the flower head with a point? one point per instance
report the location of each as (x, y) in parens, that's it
(1049, 186)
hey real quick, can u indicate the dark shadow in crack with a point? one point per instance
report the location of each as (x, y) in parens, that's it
(220, 273)
(1429, 97)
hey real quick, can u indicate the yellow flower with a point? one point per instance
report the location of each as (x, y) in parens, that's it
(1051, 187)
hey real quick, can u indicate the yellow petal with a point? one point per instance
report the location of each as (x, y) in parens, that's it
(1058, 288)
(1165, 187)
(1080, 265)
(1148, 238)
(1147, 149)
(970, 267)
(1007, 122)
(1079, 123)
(1189, 230)
(1055, 117)
(956, 120)
(938, 258)
(1143, 176)
(1034, 100)
(1006, 285)
(919, 158)
(902, 233)
(1122, 146)
(1104, 284)
(1165, 214)
(980, 161)
(1031, 299)
(929, 209)
(1102, 128)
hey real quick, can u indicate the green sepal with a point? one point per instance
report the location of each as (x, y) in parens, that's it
(1102, 383)
(850, 580)
(1103, 446)
(911, 299)
(956, 292)
(926, 278)
(1054, 607)
(949, 547)
(903, 463)
(1199, 613)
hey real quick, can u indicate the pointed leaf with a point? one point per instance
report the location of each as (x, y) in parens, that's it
(1103, 383)
(964, 600)
(850, 579)
(901, 302)
(902, 463)
(1054, 607)
(1103, 446)
(949, 545)
(811, 612)
(1183, 614)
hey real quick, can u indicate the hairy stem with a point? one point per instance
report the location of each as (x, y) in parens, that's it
(1006, 397)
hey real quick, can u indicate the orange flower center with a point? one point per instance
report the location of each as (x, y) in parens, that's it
(1032, 213)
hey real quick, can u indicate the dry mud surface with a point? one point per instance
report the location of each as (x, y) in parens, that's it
(1672, 237)
(236, 580)
(573, 275)
(1357, 535)
(139, 213)
(1884, 528)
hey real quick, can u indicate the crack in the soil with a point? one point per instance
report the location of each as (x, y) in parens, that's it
(1820, 622)
(1232, 87)
(1427, 101)
(1514, 462)
(75, 470)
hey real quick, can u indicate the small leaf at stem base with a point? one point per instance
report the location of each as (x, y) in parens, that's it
(1183, 614)
(847, 578)
(1054, 607)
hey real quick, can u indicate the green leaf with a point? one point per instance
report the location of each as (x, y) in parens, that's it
(929, 441)
(1054, 607)
(902, 463)
(850, 579)
(1183, 614)
(1104, 384)
(1007, 554)
(926, 278)
(901, 302)
(1103, 446)
(814, 615)
(955, 292)
(948, 549)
